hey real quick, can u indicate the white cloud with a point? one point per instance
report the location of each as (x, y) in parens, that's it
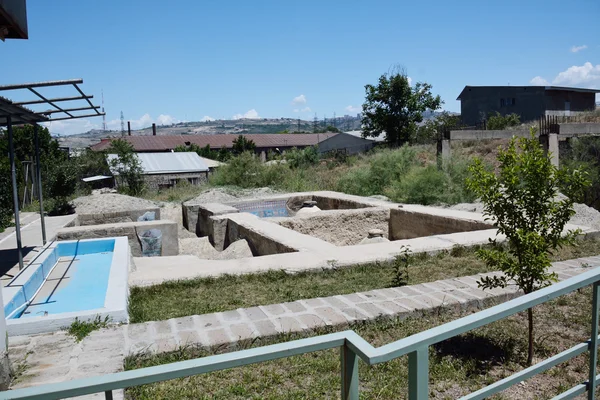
(305, 109)
(576, 49)
(299, 100)
(166, 120)
(353, 109)
(206, 118)
(539, 81)
(586, 75)
(250, 114)
(74, 126)
(409, 80)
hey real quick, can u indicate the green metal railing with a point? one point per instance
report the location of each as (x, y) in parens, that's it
(352, 347)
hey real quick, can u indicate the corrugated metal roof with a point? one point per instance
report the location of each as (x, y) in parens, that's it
(169, 142)
(211, 163)
(169, 163)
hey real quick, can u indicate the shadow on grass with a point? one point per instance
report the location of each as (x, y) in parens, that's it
(480, 351)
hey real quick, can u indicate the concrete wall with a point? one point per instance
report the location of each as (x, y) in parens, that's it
(157, 181)
(341, 228)
(580, 129)
(406, 224)
(170, 243)
(114, 217)
(337, 202)
(264, 237)
(196, 216)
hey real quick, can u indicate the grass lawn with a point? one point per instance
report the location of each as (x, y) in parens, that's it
(207, 295)
(457, 366)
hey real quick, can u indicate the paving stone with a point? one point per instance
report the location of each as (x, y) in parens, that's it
(406, 291)
(138, 331)
(242, 331)
(19, 341)
(373, 296)
(43, 375)
(162, 328)
(571, 263)
(233, 315)
(207, 321)
(287, 324)
(371, 309)
(410, 304)
(98, 366)
(355, 314)
(113, 343)
(393, 308)
(480, 294)
(388, 293)
(315, 302)
(337, 303)
(165, 345)
(218, 336)
(330, 315)
(455, 284)
(311, 321)
(140, 346)
(255, 314)
(265, 328)
(188, 338)
(353, 298)
(423, 288)
(273, 309)
(295, 306)
(185, 323)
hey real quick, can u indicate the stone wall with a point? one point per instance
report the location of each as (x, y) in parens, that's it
(406, 224)
(114, 217)
(341, 228)
(156, 181)
(170, 243)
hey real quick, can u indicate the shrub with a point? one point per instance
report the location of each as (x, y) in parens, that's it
(426, 186)
(297, 158)
(499, 122)
(6, 201)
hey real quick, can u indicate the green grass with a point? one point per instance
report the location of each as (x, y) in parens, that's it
(457, 366)
(80, 329)
(207, 295)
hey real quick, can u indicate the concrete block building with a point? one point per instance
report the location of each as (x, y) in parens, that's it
(529, 102)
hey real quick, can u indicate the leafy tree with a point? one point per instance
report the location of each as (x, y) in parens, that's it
(297, 158)
(127, 166)
(523, 201)
(584, 153)
(394, 107)
(241, 144)
(205, 152)
(431, 130)
(498, 121)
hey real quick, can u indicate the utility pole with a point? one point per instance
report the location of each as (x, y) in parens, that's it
(122, 124)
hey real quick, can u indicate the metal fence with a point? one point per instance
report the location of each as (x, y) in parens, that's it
(352, 347)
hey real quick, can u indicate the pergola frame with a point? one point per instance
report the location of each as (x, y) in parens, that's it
(15, 113)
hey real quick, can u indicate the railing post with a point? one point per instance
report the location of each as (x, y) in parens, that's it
(594, 342)
(418, 374)
(108, 395)
(349, 362)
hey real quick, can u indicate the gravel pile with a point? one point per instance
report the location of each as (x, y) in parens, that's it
(584, 215)
(109, 202)
(225, 195)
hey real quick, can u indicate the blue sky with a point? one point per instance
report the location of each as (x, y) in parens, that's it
(187, 60)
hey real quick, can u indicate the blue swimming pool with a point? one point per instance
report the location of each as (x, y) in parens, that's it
(265, 208)
(70, 279)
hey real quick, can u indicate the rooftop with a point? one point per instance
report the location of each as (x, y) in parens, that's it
(169, 163)
(169, 142)
(564, 88)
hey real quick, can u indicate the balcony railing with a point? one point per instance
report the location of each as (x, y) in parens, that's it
(352, 347)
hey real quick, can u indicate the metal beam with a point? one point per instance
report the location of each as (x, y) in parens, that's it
(48, 101)
(56, 100)
(13, 172)
(75, 117)
(39, 181)
(67, 110)
(41, 84)
(83, 94)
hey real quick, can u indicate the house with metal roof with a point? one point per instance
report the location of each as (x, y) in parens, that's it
(529, 102)
(163, 170)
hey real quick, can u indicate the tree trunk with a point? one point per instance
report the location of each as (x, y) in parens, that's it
(530, 348)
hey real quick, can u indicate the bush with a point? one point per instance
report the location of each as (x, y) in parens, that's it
(426, 185)
(247, 171)
(500, 122)
(297, 158)
(6, 202)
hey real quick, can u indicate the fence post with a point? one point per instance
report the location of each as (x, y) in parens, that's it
(349, 362)
(594, 342)
(418, 374)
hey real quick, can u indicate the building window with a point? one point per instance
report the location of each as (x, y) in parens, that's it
(502, 102)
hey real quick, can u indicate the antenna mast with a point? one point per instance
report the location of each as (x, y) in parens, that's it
(103, 114)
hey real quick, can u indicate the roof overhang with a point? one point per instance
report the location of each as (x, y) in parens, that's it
(13, 19)
(563, 88)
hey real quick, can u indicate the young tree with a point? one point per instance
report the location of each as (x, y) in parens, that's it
(241, 144)
(127, 166)
(524, 200)
(394, 107)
